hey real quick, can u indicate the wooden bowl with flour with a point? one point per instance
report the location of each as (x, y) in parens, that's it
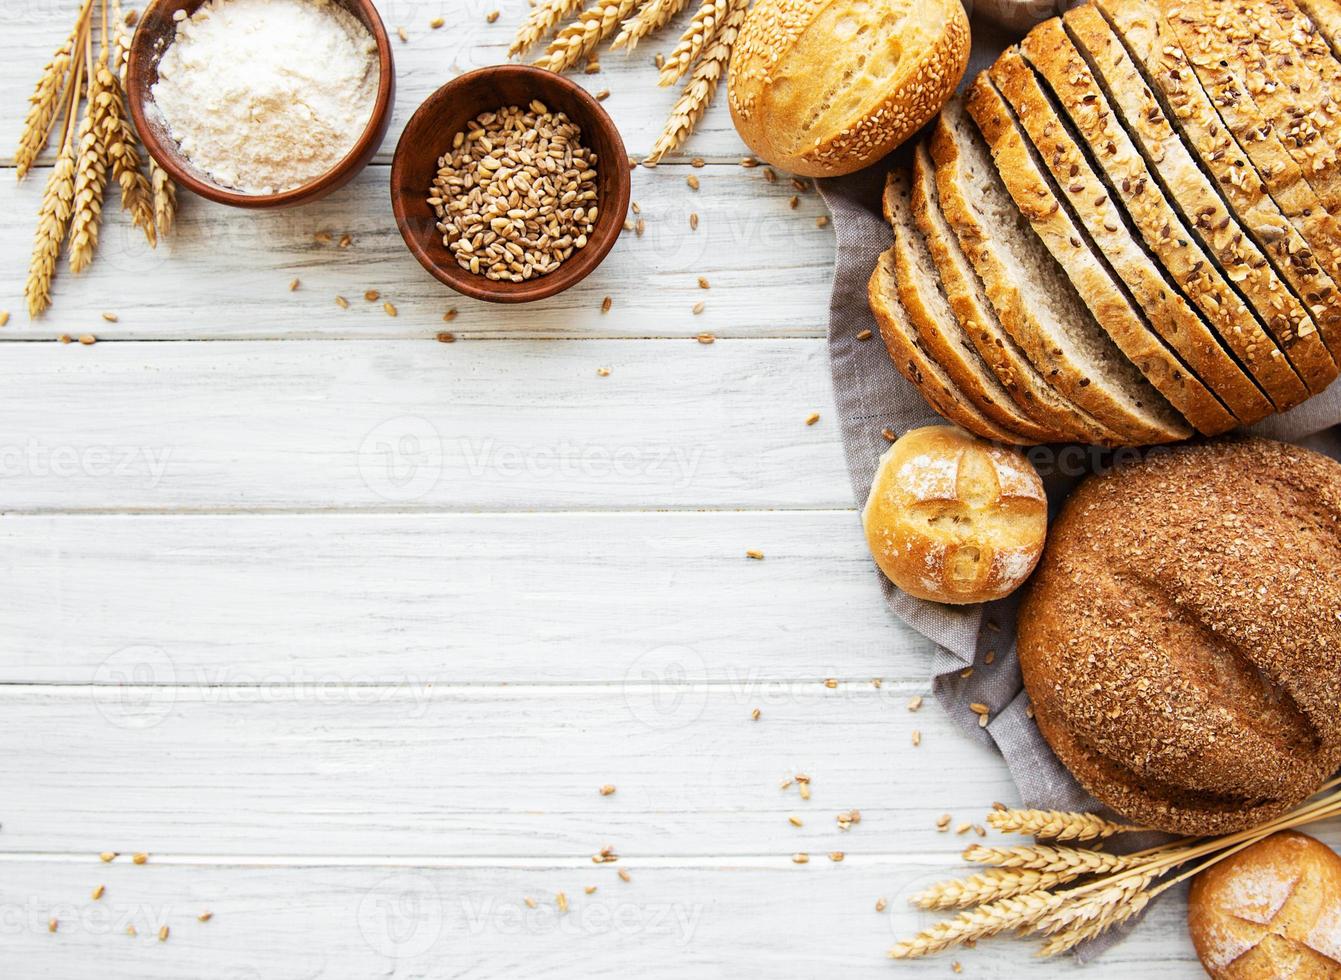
(154, 35)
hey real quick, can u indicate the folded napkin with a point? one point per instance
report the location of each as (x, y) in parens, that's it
(871, 395)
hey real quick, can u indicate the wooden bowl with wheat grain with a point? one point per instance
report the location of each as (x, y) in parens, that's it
(428, 135)
(153, 35)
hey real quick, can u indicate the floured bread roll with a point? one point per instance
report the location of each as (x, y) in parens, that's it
(955, 519)
(1272, 910)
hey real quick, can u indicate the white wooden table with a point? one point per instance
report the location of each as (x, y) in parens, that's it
(346, 627)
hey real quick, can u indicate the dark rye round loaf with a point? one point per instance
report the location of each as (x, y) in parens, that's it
(1181, 640)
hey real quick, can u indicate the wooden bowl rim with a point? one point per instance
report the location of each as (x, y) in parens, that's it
(576, 268)
(139, 96)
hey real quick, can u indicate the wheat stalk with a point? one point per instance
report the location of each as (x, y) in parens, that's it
(708, 21)
(54, 215)
(46, 100)
(1119, 887)
(90, 169)
(572, 44)
(980, 923)
(652, 17)
(544, 17)
(702, 86)
(988, 886)
(1040, 857)
(1055, 825)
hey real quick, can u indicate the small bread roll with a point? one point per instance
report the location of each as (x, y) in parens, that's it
(955, 519)
(823, 89)
(1270, 912)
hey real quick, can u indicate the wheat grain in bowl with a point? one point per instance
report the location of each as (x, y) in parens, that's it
(516, 193)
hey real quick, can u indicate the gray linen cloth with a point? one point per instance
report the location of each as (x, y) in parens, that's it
(871, 395)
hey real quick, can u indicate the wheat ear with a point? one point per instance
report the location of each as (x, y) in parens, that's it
(543, 18)
(652, 17)
(54, 216)
(139, 194)
(165, 199)
(1055, 825)
(582, 36)
(701, 87)
(708, 21)
(1078, 934)
(46, 100)
(980, 923)
(1039, 857)
(989, 886)
(90, 181)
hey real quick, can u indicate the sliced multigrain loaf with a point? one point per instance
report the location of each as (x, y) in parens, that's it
(964, 290)
(1326, 17)
(938, 331)
(1033, 297)
(1300, 333)
(1165, 307)
(1165, 71)
(1297, 78)
(1216, 62)
(1051, 53)
(1095, 281)
(914, 364)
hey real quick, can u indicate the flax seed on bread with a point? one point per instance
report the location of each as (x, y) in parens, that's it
(1326, 17)
(964, 290)
(1218, 58)
(1178, 641)
(1164, 70)
(1033, 297)
(1227, 267)
(1057, 227)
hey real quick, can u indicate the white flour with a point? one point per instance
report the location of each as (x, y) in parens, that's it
(266, 95)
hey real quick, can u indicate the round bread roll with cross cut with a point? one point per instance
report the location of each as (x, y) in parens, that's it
(954, 519)
(1272, 910)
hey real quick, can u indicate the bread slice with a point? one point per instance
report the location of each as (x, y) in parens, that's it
(1155, 53)
(1197, 199)
(1289, 171)
(1060, 230)
(1201, 269)
(1033, 297)
(1326, 17)
(914, 364)
(1165, 306)
(1030, 392)
(937, 329)
(1297, 79)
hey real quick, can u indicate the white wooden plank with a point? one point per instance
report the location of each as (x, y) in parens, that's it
(448, 598)
(725, 919)
(487, 425)
(412, 768)
(33, 29)
(226, 273)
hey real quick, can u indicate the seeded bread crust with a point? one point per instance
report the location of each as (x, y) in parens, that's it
(1179, 638)
(914, 364)
(1287, 170)
(1326, 17)
(1143, 420)
(912, 55)
(1303, 98)
(1051, 52)
(937, 330)
(1026, 387)
(1095, 283)
(1166, 309)
(1165, 71)
(1197, 200)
